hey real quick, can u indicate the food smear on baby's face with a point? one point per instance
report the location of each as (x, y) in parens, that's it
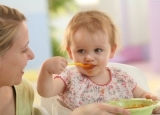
(88, 67)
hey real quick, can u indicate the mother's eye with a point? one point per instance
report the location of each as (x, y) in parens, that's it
(25, 50)
(98, 50)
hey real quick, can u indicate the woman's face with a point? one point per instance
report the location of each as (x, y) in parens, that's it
(13, 62)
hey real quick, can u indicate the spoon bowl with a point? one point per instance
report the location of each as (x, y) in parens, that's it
(86, 66)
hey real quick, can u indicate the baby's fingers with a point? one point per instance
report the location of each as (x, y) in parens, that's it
(148, 97)
(152, 97)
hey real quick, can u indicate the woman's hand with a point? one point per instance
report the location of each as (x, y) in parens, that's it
(156, 110)
(99, 109)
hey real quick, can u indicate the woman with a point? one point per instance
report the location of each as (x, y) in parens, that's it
(16, 93)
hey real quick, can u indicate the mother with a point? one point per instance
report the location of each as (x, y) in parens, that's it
(16, 93)
(15, 99)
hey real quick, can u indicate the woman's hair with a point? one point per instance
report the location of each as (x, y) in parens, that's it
(92, 21)
(10, 19)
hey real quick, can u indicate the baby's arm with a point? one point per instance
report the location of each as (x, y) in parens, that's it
(47, 86)
(140, 93)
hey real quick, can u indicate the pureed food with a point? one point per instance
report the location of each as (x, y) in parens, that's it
(136, 106)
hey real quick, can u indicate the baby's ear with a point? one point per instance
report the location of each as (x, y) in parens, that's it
(69, 53)
(113, 50)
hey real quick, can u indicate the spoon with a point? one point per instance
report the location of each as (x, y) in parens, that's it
(82, 65)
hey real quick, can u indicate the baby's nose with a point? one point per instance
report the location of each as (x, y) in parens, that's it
(89, 58)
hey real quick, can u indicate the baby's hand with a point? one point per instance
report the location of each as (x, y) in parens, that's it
(154, 98)
(55, 65)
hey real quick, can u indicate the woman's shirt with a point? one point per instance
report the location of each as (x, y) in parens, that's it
(80, 90)
(24, 98)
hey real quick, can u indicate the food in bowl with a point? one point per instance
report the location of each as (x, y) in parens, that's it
(137, 106)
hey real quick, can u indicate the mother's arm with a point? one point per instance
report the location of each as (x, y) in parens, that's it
(99, 109)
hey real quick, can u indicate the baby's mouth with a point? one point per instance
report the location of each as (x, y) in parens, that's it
(89, 67)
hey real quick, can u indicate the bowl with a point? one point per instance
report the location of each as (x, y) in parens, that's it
(137, 106)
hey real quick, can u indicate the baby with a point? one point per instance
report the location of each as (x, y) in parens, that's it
(90, 38)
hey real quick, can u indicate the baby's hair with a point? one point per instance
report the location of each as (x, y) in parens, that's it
(93, 21)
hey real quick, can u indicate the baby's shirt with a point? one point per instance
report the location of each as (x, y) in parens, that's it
(80, 90)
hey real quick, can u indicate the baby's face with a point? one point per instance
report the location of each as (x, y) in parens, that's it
(91, 48)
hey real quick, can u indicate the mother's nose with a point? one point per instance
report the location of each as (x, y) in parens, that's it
(30, 55)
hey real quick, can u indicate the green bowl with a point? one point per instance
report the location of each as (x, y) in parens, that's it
(137, 106)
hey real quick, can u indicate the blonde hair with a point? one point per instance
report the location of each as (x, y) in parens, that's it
(10, 19)
(93, 21)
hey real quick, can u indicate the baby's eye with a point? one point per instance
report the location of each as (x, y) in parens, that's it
(80, 51)
(98, 50)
